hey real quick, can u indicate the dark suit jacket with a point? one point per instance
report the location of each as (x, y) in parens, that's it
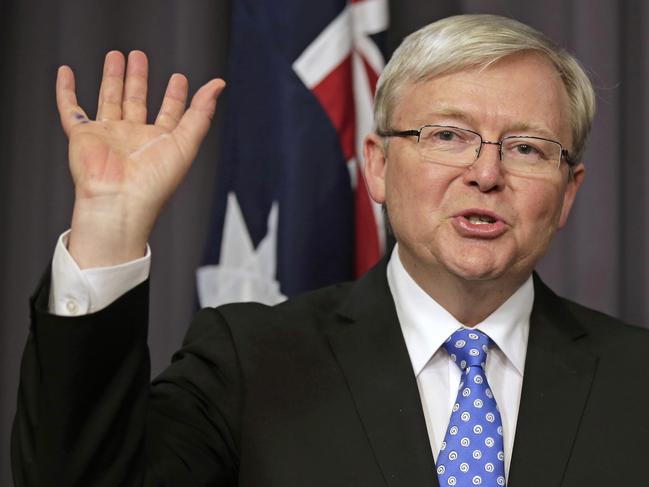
(318, 391)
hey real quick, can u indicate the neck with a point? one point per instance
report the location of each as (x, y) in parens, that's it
(469, 301)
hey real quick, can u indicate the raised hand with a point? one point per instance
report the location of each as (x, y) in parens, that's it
(123, 169)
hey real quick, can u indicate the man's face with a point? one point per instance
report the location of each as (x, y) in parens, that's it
(432, 207)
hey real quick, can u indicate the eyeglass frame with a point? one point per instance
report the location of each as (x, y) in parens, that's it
(564, 154)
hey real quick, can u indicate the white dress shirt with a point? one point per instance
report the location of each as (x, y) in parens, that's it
(76, 292)
(426, 326)
(424, 323)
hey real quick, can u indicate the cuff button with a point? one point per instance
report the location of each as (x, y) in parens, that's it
(72, 306)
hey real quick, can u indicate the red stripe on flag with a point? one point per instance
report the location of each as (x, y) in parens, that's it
(337, 98)
(372, 76)
(366, 247)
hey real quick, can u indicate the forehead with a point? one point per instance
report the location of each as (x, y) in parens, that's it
(519, 92)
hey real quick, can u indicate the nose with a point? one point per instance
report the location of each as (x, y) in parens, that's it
(487, 172)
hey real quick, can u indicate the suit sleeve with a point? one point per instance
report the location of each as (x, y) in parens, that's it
(88, 415)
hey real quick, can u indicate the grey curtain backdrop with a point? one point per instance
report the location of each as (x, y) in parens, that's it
(600, 260)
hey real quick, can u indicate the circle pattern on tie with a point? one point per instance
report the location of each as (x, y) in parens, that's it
(472, 452)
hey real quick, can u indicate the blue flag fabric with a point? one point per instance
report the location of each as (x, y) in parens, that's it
(283, 181)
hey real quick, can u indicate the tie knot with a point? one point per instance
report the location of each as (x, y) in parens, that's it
(467, 348)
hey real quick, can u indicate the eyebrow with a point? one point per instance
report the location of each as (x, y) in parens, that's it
(520, 128)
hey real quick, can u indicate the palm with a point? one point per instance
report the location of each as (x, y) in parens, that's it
(124, 169)
(132, 159)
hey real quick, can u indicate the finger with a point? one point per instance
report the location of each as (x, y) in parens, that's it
(109, 106)
(173, 103)
(195, 123)
(66, 100)
(135, 88)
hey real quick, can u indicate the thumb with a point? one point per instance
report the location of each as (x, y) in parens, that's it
(195, 122)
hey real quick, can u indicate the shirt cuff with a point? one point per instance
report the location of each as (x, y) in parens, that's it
(75, 292)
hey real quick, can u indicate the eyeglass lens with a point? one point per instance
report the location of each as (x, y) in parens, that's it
(460, 147)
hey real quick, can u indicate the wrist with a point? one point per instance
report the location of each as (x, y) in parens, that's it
(106, 233)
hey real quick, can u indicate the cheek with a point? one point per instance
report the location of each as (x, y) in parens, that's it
(541, 214)
(416, 191)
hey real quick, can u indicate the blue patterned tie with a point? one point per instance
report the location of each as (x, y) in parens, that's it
(472, 451)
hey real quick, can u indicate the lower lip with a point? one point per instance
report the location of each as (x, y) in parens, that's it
(479, 230)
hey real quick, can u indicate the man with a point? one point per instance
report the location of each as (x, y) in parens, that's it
(480, 128)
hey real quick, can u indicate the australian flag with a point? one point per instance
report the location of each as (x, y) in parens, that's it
(291, 210)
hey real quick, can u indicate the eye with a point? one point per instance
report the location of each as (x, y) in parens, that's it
(446, 135)
(526, 149)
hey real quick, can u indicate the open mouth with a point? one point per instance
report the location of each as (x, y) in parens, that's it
(479, 223)
(480, 219)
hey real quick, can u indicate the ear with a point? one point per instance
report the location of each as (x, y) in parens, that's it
(375, 164)
(569, 194)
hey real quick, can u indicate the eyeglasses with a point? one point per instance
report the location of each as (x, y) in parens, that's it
(455, 146)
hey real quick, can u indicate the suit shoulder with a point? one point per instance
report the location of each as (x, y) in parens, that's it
(318, 301)
(605, 326)
(310, 306)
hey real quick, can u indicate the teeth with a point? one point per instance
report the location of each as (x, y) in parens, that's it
(480, 220)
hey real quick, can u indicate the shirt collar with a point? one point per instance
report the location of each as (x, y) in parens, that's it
(507, 326)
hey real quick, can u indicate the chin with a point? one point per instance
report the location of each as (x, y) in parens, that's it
(476, 274)
(477, 266)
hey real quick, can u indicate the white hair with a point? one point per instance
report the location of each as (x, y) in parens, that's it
(465, 41)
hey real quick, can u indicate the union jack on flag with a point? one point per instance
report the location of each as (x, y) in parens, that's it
(291, 210)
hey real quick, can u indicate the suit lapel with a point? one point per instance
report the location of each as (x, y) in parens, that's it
(372, 354)
(559, 371)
